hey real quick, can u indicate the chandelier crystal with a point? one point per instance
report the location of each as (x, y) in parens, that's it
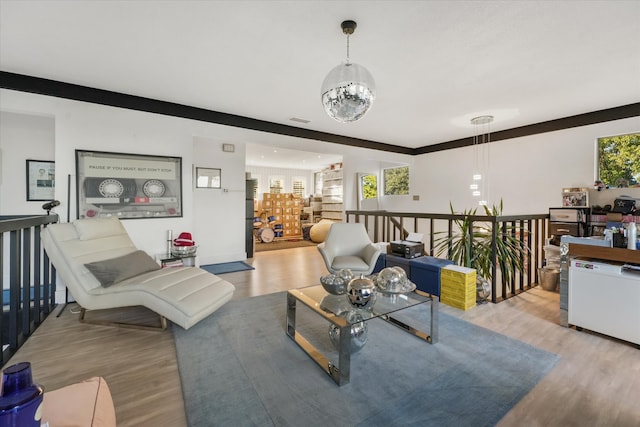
(348, 91)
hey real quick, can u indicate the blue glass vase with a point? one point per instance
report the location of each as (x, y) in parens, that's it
(20, 398)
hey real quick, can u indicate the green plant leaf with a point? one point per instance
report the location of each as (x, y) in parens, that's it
(470, 244)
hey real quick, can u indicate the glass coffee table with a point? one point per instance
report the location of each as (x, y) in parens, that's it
(335, 308)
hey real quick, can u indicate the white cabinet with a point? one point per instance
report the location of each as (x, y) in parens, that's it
(604, 298)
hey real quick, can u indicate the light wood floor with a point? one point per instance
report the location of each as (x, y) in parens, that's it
(595, 383)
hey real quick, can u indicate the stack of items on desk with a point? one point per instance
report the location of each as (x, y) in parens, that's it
(621, 231)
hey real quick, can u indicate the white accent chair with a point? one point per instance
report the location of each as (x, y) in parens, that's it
(184, 295)
(348, 246)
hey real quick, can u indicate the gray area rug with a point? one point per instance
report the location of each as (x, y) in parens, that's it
(238, 368)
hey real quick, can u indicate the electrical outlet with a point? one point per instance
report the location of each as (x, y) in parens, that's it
(416, 197)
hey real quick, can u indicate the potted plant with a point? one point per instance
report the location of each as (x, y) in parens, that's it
(470, 245)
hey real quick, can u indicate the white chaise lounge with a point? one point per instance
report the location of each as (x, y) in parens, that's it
(123, 276)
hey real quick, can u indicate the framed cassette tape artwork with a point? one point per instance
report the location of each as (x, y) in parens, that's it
(128, 185)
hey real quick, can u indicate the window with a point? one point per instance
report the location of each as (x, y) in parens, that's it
(317, 177)
(276, 183)
(368, 186)
(619, 160)
(396, 181)
(299, 185)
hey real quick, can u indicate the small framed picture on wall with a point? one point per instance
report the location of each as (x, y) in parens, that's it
(208, 177)
(575, 197)
(41, 180)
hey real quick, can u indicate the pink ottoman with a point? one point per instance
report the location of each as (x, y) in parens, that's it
(85, 404)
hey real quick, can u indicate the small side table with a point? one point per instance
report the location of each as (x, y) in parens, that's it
(170, 260)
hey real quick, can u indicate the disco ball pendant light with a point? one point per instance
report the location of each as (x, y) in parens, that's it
(349, 89)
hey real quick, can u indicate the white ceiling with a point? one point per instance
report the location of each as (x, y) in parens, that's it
(436, 64)
(261, 155)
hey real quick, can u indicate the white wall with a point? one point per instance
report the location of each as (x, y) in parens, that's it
(22, 137)
(214, 217)
(357, 161)
(527, 173)
(219, 214)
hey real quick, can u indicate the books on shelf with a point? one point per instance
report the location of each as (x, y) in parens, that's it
(172, 263)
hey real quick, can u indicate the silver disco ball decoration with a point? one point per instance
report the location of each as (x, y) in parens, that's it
(349, 89)
(346, 275)
(483, 290)
(391, 278)
(361, 293)
(358, 331)
(334, 284)
(348, 92)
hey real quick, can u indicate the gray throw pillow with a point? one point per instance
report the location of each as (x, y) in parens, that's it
(116, 270)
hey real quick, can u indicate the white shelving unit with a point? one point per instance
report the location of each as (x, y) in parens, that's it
(332, 201)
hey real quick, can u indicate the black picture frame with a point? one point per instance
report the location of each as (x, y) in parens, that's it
(208, 177)
(575, 197)
(41, 180)
(129, 186)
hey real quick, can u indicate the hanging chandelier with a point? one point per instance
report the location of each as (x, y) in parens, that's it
(349, 89)
(480, 184)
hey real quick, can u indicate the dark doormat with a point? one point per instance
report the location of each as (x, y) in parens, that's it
(227, 267)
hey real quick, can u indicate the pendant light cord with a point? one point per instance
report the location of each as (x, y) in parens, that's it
(348, 60)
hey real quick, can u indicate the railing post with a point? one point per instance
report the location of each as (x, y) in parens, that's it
(469, 251)
(25, 282)
(431, 234)
(24, 264)
(14, 288)
(500, 227)
(387, 228)
(37, 278)
(376, 229)
(522, 255)
(449, 234)
(494, 258)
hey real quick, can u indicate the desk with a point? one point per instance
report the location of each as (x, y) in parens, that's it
(572, 250)
(605, 299)
(604, 253)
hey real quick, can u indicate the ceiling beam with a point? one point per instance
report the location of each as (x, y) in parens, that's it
(600, 116)
(38, 85)
(41, 86)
